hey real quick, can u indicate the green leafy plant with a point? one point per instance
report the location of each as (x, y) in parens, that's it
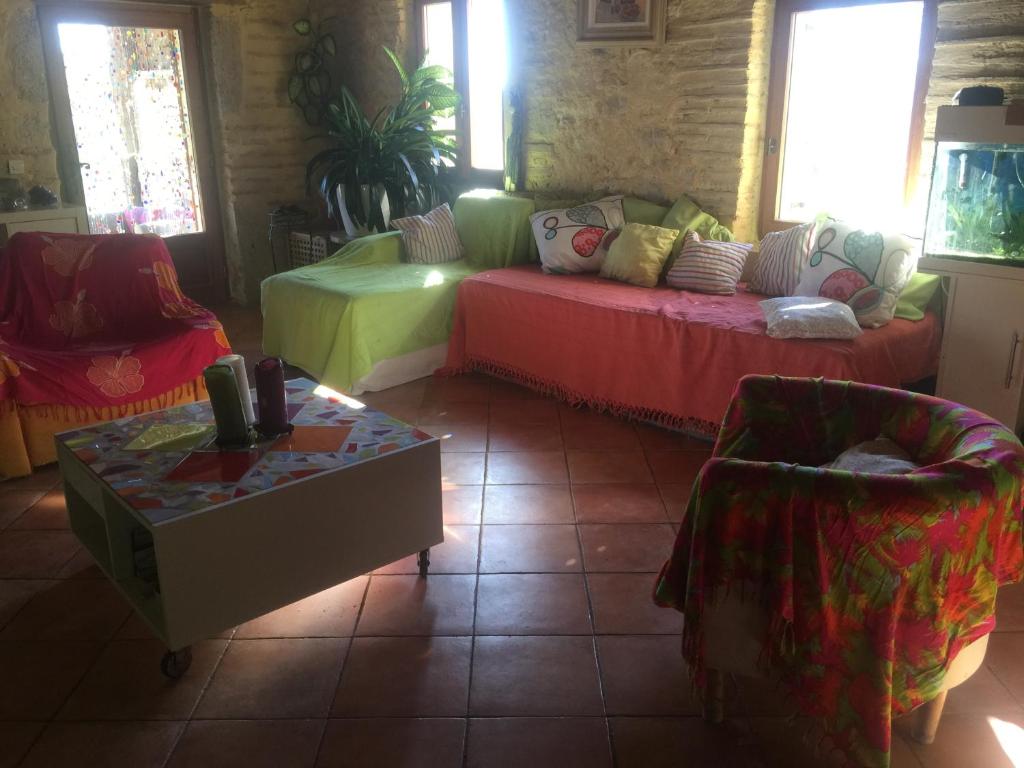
(972, 224)
(397, 155)
(309, 86)
(1012, 236)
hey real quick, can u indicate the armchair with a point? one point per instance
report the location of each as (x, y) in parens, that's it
(868, 594)
(92, 328)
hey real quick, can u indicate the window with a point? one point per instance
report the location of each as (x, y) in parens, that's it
(468, 37)
(845, 110)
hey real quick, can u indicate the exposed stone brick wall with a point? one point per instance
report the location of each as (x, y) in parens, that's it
(362, 30)
(260, 137)
(24, 100)
(655, 122)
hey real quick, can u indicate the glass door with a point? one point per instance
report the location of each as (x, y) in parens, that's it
(126, 88)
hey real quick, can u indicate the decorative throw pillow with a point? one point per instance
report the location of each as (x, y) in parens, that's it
(637, 254)
(782, 254)
(916, 297)
(866, 270)
(685, 216)
(571, 240)
(430, 239)
(805, 317)
(708, 266)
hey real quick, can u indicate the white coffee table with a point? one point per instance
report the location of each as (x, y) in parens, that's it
(201, 541)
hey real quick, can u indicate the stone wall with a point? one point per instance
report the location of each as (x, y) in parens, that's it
(24, 100)
(261, 139)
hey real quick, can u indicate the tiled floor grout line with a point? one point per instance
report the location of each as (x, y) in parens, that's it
(195, 705)
(49, 721)
(344, 662)
(590, 608)
(476, 595)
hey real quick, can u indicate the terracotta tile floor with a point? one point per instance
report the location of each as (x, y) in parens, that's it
(533, 642)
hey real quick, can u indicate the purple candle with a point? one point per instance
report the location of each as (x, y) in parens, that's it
(270, 398)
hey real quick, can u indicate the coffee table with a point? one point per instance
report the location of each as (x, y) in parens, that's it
(200, 540)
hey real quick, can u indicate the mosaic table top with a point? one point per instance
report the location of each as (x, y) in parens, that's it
(183, 474)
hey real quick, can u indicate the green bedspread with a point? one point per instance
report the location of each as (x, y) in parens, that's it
(338, 318)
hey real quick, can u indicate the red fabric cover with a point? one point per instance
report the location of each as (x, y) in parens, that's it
(97, 320)
(657, 353)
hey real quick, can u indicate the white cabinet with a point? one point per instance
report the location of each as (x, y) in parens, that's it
(982, 362)
(65, 219)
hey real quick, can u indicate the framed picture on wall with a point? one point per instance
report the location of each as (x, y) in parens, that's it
(621, 22)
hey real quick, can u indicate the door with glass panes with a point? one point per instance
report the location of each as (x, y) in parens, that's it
(133, 135)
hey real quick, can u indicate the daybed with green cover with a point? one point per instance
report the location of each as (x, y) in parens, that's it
(364, 319)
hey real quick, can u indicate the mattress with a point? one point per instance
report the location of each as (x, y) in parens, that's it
(662, 355)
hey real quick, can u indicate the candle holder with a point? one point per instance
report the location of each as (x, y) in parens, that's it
(270, 398)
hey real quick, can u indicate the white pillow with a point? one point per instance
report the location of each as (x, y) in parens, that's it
(430, 239)
(708, 266)
(781, 256)
(866, 270)
(572, 240)
(801, 317)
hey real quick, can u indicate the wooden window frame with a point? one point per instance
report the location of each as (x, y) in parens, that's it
(778, 97)
(460, 41)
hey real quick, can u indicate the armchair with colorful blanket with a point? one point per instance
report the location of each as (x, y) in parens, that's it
(92, 328)
(872, 584)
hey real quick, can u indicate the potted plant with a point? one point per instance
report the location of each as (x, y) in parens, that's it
(392, 164)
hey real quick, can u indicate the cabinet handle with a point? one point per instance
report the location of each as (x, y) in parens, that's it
(1013, 359)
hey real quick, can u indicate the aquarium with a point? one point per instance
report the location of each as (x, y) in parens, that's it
(976, 204)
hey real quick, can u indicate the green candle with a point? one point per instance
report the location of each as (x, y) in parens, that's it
(227, 405)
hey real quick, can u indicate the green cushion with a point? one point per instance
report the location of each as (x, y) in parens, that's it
(914, 299)
(494, 228)
(685, 215)
(638, 254)
(643, 211)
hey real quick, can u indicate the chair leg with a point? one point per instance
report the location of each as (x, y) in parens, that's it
(928, 722)
(714, 696)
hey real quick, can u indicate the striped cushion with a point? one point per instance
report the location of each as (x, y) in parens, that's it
(782, 255)
(708, 266)
(430, 239)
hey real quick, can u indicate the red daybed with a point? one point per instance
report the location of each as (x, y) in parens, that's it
(657, 354)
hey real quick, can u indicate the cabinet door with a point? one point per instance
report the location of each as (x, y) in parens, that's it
(983, 349)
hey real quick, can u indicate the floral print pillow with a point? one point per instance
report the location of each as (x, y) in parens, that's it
(865, 270)
(572, 240)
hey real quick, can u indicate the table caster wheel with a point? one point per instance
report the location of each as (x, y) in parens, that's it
(174, 664)
(423, 561)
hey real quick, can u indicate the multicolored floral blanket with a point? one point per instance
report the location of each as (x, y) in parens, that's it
(97, 320)
(874, 582)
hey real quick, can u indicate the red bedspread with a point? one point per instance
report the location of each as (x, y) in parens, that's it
(669, 356)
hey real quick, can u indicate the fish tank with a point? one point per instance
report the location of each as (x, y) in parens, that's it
(976, 203)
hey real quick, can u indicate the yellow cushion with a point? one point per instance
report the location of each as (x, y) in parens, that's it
(638, 253)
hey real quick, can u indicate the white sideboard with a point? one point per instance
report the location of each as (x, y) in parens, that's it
(982, 361)
(64, 219)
